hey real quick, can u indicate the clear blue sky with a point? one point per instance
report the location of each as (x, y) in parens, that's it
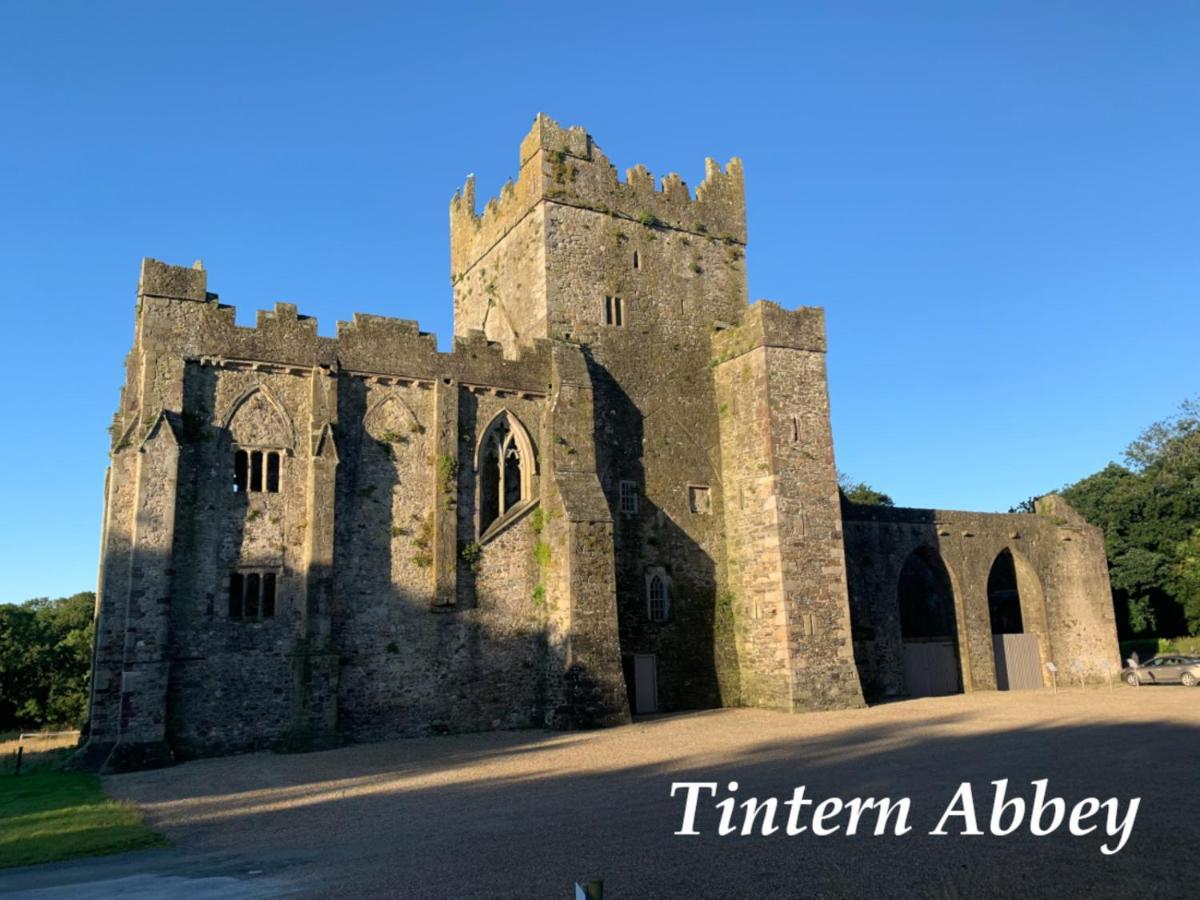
(997, 204)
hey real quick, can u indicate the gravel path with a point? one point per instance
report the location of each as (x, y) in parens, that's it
(525, 814)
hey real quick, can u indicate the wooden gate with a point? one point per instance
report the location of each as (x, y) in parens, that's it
(1018, 662)
(931, 668)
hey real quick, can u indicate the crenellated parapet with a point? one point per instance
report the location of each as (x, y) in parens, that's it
(178, 318)
(564, 165)
(767, 324)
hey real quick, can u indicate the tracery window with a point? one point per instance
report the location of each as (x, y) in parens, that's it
(505, 470)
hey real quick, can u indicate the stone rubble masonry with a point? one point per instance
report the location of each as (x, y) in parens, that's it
(396, 616)
(1062, 580)
(783, 517)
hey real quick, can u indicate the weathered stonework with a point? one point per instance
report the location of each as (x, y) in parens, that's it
(1062, 576)
(309, 540)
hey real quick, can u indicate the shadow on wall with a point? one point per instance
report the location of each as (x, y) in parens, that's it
(694, 654)
(526, 792)
(938, 608)
(368, 658)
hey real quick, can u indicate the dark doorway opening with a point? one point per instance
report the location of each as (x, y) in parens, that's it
(1004, 598)
(928, 626)
(1018, 660)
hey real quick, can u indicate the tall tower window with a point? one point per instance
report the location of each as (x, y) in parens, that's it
(614, 311)
(637, 260)
(658, 598)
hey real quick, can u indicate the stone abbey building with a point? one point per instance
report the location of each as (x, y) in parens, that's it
(616, 494)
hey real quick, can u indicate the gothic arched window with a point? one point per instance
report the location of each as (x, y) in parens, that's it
(505, 467)
(658, 597)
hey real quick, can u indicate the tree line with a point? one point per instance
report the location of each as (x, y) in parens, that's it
(45, 662)
(1149, 508)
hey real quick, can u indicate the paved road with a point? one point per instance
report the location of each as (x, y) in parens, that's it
(525, 814)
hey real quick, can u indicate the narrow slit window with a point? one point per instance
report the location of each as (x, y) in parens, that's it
(235, 595)
(256, 471)
(250, 607)
(268, 595)
(795, 430)
(240, 472)
(273, 473)
(637, 261)
(614, 312)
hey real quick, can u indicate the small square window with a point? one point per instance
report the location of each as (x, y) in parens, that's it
(699, 499)
(629, 498)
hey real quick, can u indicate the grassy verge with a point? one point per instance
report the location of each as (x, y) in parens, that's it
(47, 815)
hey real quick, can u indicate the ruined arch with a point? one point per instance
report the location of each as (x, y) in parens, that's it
(1004, 599)
(505, 470)
(257, 419)
(925, 595)
(386, 413)
(1017, 612)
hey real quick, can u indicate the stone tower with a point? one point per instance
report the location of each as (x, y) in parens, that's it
(712, 416)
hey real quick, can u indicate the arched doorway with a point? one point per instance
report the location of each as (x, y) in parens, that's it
(1018, 658)
(928, 627)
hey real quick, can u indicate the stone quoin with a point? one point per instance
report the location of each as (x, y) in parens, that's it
(615, 494)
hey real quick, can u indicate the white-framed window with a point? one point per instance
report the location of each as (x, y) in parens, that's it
(629, 498)
(658, 595)
(257, 471)
(252, 595)
(614, 311)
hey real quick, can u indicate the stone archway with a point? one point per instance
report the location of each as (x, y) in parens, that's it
(1017, 612)
(928, 626)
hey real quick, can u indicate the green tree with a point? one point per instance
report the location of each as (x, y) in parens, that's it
(1149, 509)
(45, 661)
(1187, 579)
(861, 492)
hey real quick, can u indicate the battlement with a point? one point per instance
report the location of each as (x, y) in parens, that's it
(205, 329)
(767, 324)
(564, 165)
(160, 279)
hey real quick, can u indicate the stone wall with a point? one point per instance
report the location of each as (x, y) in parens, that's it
(783, 521)
(394, 614)
(1062, 578)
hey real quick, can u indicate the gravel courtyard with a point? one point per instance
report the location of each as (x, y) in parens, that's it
(525, 814)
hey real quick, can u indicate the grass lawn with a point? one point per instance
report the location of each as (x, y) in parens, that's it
(47, 815)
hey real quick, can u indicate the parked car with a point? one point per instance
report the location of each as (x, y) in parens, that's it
(1164, 670)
